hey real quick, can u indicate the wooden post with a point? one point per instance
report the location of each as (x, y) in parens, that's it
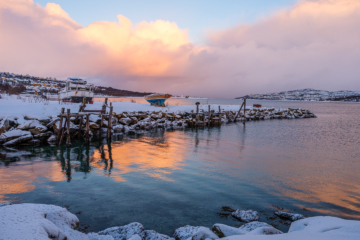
(104, 106)
(101, 123)
(244, 109)
(209, 117)
(197, 113)
(80, 127)
(239, 111)
(61, 122)
(87, 127)
(68, 141)
(110, 121)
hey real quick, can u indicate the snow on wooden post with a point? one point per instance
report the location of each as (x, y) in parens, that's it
(101, 123)
(68, 141)
(110, 121)
(197, 113)
(244, 109)
(61, 122)
(209, 117)
(87, 127)
(80, 127)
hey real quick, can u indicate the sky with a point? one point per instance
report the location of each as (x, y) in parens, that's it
(221, 49)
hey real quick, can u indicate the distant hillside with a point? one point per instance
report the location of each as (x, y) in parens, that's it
(11, 83)
(308, 94)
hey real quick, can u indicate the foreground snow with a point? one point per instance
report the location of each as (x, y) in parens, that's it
(43, 222)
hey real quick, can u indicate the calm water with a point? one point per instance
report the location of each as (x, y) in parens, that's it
(166, 179)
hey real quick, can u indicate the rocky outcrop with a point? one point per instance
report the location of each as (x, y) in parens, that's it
(246, 215)
(289, 216)
(125, 232)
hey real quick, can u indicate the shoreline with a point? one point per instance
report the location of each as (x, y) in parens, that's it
(42, 221)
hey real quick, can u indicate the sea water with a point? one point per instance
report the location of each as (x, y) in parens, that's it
(167, 179)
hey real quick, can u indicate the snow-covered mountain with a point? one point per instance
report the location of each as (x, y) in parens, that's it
(308, 94)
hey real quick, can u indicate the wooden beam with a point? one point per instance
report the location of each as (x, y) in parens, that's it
(110, 121)
(87, 128)
(80, 127)
(61, 122)
(68, 142)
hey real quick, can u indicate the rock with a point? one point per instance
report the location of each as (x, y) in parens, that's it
(38, 221)
(134, 120)
(10, 135)
(125, 121)
(118, 128)
(35, 142)
(43, 136)
(153, 235)
(183, 233)
(5, 204)
(246, 216)
(4, 125)
(52, 139)
(135, 237)
(19, 140)
(125, 232)
(265, 231)
(94, 126)
(223, 230)
(204, 233)
(289, 216)
(253, 225)
(95, 236)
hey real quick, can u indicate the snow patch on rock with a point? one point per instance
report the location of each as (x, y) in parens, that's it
(246, 216)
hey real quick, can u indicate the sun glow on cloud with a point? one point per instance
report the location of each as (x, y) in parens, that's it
(315, 44)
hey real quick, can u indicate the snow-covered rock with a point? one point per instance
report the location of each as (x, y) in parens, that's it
(135, 237)
(19, 140)
(289, 216)
(246, 216)
(204, 233)
(265, 231)
(125, 121)
(223, 230)
(95, 236)
(118, 128)
(125, 232)
(52, 139)
(183, 233)
(38, 222)
(253, 225)
(5, 204)
(153, 235)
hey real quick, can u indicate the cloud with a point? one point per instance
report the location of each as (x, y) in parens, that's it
(315, 44)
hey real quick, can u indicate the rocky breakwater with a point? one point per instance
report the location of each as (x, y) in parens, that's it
(35, 131)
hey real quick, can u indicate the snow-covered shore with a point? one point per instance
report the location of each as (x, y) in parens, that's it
(42, 222)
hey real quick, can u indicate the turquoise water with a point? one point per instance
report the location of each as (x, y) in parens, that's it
(167, 179)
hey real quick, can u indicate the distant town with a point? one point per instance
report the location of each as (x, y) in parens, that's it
(308, 94)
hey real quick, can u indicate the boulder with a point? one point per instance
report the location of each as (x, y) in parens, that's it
(153, 235)
(19, 140)
(183, 233)
(5, 204)
(125, 121)
(135, 237)
(246, 216)
(253, 225)
(134, 120)
(95, 236)
(204, 233)
(4, 125)
(52, 139)
(289, 216)
(223, 230)
(118, 128)
(10, 135)
(265, 231)
(44, 135)
(125, 232)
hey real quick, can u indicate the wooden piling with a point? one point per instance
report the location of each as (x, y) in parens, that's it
(110, 121)
(68, 141)
(63, 132)
(61, 122)
(104, 106)
(197, 113)
(209, 116)
(87, 127)
(80, 127)
(244, 109)
(239, 111)
(101, 124)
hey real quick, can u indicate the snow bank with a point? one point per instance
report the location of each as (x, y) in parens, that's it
(38, 222)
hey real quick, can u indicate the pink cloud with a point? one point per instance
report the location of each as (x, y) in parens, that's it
(315, 44)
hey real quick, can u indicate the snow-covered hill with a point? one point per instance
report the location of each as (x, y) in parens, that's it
(308, 94)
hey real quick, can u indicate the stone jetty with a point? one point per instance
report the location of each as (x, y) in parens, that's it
(34, 131)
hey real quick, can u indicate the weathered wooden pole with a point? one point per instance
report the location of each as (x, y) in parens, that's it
(104, 106)
(101, 124)
(68, 141)
(63, 132)
(209, 116)
(239, 112)
(80, 127)
(197, 113)
(244, 109)
(87, 127)
(61, 122)
(110, 121)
